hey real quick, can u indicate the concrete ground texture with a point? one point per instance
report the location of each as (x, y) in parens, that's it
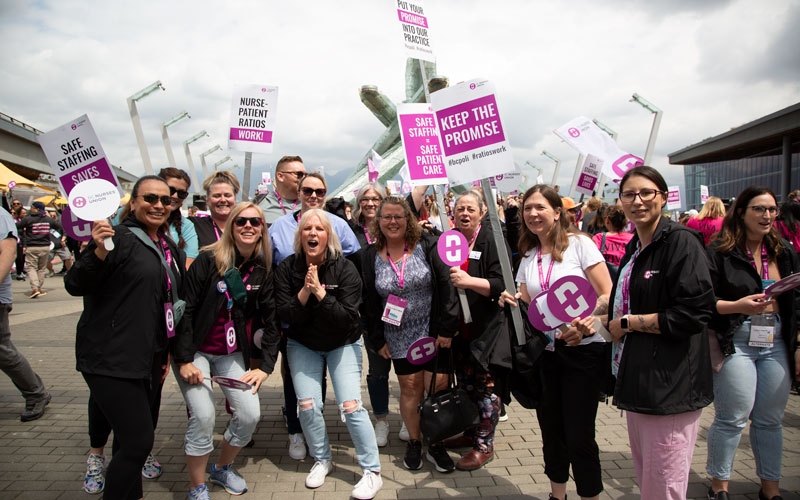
(46, 458)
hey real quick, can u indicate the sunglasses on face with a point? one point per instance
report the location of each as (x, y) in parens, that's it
(254, 221)
(180, 192)
(319, 192)
(153, 198)
(296, 173)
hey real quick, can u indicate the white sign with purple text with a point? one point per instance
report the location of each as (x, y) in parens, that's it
(253, 118)
(75, 155)
(590, 173)
(414, 25)
(421, 144)
(582, 134)
(673, 198)
(473, 138)
(703, 194)
(507, 182)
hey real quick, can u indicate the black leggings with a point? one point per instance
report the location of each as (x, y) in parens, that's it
(572, 378)
(125, 404)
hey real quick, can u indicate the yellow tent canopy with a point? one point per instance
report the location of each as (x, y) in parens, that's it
(7, 175)
(52, 199)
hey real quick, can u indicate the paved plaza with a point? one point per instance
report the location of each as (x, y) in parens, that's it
(45, 459)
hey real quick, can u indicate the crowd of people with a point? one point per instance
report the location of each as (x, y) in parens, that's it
(681, 320)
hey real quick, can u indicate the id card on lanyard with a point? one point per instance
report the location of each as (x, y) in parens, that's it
(762, 326)
(231, 343)
(169, 313)
(396, 306)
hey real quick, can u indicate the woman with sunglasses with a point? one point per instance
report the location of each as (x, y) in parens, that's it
(181, 229)
(662, 301)
(317, 295)
(123, 332)
(404, 264)
(221, 189)
(757, 337)
(229, 295)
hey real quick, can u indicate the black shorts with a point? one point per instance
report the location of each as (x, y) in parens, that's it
(403, 366)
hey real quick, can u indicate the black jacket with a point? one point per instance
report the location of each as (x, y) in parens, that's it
(204, 227)
(122, 327)
(735, 277)
(325, 325)
(204, 303)
(670, 372)
(444, 319)
(34, 230)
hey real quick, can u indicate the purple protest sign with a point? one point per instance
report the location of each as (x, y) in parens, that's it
(453, 248)
(421, 351)
(12, 184)
(421, 144)
(535, 316)
(75, 155)
(470, 125)
(784, 285)
(571, 297)
(77, 229)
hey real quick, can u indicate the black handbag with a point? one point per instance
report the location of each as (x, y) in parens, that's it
(447, 412)
(526, 382)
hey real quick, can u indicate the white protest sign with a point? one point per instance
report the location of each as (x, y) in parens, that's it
(406, 180)
(253, 118)
(590, 173)
(421, 144)
(393, 186)
(507, 182)
(472, 134)
(414, 25)
(582, 134)
(95, 199)
(74, 153)
(703, 194)
(673, 198)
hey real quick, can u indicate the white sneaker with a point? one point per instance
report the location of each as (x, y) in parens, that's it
(368, 486)
(297, 446)
(316, 477)
(382, 433)
(403, 434)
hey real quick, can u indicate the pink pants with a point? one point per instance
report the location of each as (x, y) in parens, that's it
(662, 447)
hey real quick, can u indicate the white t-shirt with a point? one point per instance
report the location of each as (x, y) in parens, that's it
(580, 254)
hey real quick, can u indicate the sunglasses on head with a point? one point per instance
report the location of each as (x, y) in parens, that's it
(180, 192)
(254, 221)
(319, 192)
(153, 198)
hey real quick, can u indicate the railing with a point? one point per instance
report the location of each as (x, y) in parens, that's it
(19, 123)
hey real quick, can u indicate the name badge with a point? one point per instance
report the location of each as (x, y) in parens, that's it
(393, 312)
(169, 318)
(230, 337)
(762, 330)
(766, 283)
(475, 255)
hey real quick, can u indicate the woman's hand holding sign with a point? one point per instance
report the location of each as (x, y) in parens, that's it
(101, 229)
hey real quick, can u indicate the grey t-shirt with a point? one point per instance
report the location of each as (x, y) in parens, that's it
(8, 229)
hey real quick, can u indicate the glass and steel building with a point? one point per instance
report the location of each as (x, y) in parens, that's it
(764, 152)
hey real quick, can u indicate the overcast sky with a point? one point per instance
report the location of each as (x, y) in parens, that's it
(709, 65)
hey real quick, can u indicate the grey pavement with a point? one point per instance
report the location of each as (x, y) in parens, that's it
(45, 459)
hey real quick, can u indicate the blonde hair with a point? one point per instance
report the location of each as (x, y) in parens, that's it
(712, 209)
(221, 176)
(334, 247)
(224, 249)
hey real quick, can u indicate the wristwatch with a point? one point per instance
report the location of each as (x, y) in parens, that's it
(623, 323)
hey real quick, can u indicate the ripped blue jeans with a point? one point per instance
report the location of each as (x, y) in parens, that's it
(344, 366)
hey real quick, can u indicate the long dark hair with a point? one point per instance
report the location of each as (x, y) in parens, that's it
(175, 218)
(733, 233)
(790, 216)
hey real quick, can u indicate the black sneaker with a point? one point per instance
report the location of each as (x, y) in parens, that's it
(35, 409)
(720, 495)
(438, 456)
(413, 459)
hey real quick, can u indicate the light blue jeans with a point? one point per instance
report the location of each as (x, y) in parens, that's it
(344, 366)
(199, 399)
(754, 383)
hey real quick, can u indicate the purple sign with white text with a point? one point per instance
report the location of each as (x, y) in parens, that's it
(77, 229)
(571, 297)
(470, 125)
(421, 144)
(453, 248)
(421, 351)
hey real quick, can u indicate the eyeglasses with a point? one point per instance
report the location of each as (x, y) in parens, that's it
(153, 198)
(390, 218)
(297, 173)
(319, 192)
(16, 203)
(370, 200)
(180, 192)
(254, 221)
(760, 210)
(644, 195)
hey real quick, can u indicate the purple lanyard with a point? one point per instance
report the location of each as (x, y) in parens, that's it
(626, 282)
(168, 257)
(764, 261)
(280, 202)
(544, 283)
(216, 230)
(228, 294)
(475, 237)
(366, 234)
(401, 273)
